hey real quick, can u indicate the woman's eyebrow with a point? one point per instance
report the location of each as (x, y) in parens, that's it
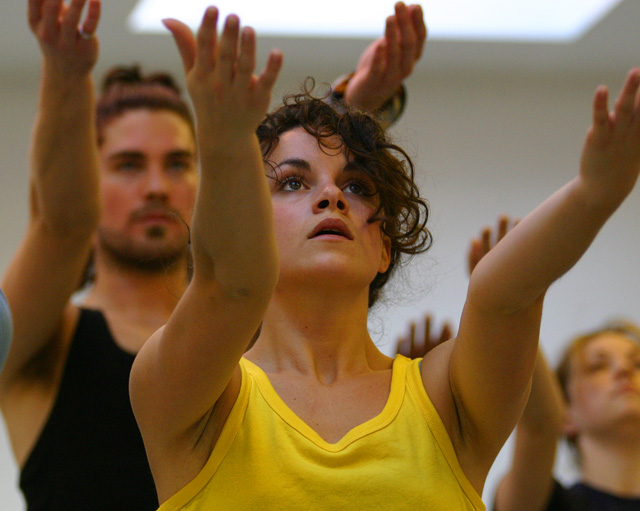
(299, 163)
(355, 167)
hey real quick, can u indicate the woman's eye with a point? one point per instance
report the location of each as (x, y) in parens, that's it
(358, 188)
(291, 184)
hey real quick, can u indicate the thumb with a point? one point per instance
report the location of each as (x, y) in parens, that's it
(185, 41)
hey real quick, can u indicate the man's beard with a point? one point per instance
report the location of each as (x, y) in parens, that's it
(152, 255)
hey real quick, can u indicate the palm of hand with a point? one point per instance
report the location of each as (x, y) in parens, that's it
(220, 79)
(610, 160)
(55, 25)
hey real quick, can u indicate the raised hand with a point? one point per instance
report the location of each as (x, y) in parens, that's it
(481, 246)
(413, 348)
(388, 60)
(610, 160)
(67, 43)
(220, 76)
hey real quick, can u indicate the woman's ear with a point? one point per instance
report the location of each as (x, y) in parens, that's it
(385, 260)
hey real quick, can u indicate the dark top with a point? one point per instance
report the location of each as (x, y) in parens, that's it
(581, 497)
(90, 455)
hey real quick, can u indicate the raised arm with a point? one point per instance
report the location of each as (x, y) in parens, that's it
(376, 84)
(412, 347)
(528, 484)
(492, 360)
(182, 370)
(64, 202)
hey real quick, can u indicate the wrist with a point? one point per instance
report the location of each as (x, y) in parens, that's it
(387, 114)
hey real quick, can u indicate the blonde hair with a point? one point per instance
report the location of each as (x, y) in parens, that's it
(577, 345)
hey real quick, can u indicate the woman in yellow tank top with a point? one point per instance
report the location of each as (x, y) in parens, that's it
(313, 416)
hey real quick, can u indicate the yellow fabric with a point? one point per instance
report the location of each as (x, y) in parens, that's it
(268, 459)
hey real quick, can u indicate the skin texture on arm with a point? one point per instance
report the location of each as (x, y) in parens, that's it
(489, 367)
(413, 348)
(64, 200)
(528, 484)
(183, 370)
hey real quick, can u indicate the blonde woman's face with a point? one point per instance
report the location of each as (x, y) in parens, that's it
(604, 384)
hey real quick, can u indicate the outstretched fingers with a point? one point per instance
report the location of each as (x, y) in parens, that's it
(392, 39)
(417, 17)
(626, 103)
(480, 247)
(50, 14)
(207, 41)
(611, 154)
(246, 58)
(269, 75)
(71, 21)
(408, 38)
(34, 13)
(503, 227)
(486, 240)
(90, 24)
(427, 330)
(228, 49)
(602, 122)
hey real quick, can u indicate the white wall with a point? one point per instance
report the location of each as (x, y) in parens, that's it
(483, 145)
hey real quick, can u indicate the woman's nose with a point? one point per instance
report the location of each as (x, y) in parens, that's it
(331, 197)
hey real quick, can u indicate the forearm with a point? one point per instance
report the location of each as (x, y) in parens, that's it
(528, 484)
(387, 110)
(64, 156)
(540, 249)
(495, 353)
(545, 410)
(233, 236)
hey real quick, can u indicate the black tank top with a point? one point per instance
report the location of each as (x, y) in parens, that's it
(90, 455)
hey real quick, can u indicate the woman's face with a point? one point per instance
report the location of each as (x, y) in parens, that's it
(604, 385)
(322, 203)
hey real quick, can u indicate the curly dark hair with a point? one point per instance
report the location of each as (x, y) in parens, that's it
(126, 88)
(402, 212)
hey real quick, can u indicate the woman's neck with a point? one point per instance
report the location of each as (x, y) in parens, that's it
(323, 335)
(611, 464)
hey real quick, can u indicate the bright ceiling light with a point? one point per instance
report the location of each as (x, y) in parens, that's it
(498, 20)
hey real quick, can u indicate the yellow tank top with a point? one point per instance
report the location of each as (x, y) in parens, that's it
(268, 459)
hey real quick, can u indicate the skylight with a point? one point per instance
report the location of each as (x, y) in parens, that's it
(489, 20)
